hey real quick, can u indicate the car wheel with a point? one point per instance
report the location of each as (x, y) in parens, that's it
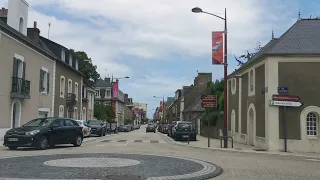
(78, 141)
(43, 143)
(13, 147)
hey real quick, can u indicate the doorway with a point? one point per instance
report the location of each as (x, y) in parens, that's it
(15, 114)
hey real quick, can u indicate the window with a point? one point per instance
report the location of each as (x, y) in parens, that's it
(70, 59)
(108, 93)
(233, 86)
(58, 123)
(62, 86)
(312, 124)
(251, 80)
(61, 111)
(63, 55)
(89, 100)
(77, 65)
(84, 92)
(76, 90)
(75, 113)
(69, 86)
(97, 93)
(44, 80)
(21, 25)
(68, 122)
(251, 84)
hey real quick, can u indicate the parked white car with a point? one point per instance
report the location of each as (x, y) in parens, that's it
(86, 130)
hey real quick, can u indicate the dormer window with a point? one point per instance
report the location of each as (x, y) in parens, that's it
(21, 25)
(63, 55)
(70, 60)
(77, 65)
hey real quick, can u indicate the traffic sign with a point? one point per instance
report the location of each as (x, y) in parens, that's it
(285, 103)
(209, 101)
(276, 97)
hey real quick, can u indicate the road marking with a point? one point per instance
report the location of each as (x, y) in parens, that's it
(317, 160)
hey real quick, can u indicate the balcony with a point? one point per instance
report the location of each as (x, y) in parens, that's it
(71, 100)
(20, 88)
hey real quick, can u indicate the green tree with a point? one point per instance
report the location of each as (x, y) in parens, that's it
(86, 67)
(100, 111)
(144, 120)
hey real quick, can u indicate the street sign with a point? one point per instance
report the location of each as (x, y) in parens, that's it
(282, 90)
(276, 97)
(285, 103)
(209, 101)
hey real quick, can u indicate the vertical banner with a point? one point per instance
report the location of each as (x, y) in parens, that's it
(217, 47)
(115, 90)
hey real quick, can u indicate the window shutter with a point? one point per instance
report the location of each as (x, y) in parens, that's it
(24, 70)
(41, 81)
(48, 83)
(15, 67)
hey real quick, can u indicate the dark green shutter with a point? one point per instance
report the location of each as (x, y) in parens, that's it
(24, 70)
(41, 80)
(15, 67)
(48, 83)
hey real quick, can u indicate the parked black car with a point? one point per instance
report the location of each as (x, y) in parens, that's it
(113, 128)
(185, 130)
(151, 128)
(98, 127)
(43, 133)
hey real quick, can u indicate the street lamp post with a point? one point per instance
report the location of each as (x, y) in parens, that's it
(225, 119)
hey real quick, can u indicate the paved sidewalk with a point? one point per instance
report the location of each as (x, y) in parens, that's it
(202, 142)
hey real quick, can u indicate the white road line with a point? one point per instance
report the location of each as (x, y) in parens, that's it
(317, 160)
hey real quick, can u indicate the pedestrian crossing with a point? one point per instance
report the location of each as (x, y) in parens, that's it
(134, 141)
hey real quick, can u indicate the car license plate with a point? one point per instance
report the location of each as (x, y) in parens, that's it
(12, 139)
(185, 136)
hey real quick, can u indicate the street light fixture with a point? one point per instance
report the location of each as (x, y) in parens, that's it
(225, 119)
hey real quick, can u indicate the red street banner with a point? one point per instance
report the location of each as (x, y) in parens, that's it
(115, 90)
(217, 47)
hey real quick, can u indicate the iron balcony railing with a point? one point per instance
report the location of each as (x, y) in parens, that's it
(20, 88)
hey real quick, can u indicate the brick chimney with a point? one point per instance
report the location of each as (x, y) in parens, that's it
(4, 14)
(34, 33)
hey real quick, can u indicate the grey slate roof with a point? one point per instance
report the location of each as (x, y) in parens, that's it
(302, 38)
(195, 106)
(102, 83)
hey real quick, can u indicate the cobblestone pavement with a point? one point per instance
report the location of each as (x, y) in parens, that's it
(127, 157)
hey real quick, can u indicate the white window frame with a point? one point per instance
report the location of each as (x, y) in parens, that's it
(251, 83)
(70, 87)
(62, 86)
(45, 80)
(76, 90)
(63, 55)
(77, 64)
(61, 112)
(70, 59)
(233, 83)
(75, 113)
(97, 93)
(84, 92)
(84, 113)
(107, 90)
(316, 126)
(89, 100)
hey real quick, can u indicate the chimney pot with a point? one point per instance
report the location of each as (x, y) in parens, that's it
(35, 24)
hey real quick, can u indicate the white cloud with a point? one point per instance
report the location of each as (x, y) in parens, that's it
(154, 29)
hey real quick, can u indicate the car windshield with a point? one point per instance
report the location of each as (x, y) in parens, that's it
(185, 126)
(94, 122)
(42, 122)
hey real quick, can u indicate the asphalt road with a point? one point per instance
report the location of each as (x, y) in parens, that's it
(141, 155)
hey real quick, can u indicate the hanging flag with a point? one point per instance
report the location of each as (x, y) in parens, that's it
(217, 47)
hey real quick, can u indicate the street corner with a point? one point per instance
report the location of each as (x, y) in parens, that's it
(111, 166)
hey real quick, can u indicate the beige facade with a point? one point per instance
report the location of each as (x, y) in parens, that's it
(88, 94)
(17, 109)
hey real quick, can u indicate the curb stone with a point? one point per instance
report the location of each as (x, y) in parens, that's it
(243, 151)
